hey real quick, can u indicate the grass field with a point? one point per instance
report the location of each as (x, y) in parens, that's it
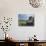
(22, 22)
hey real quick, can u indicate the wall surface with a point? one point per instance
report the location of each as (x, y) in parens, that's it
(10, 8)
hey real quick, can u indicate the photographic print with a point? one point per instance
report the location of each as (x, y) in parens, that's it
(25, 20)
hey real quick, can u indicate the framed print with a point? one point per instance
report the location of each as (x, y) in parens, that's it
(25, 20)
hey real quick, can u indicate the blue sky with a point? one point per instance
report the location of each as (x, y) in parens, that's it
(23, 16)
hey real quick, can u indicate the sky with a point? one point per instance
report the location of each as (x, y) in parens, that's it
(24, 16)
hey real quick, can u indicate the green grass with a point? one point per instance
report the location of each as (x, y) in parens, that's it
(22, 22)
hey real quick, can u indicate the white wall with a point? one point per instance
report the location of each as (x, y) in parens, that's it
(11, 8)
